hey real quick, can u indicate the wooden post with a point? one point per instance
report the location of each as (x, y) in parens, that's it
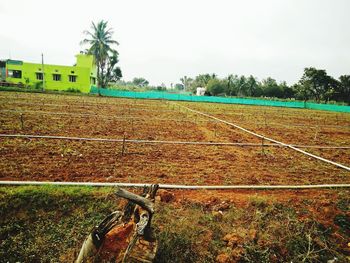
(123, 146)
(316, 133)
(21, 120)
(262, 146)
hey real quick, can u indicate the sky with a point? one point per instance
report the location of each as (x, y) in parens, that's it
(164, 40)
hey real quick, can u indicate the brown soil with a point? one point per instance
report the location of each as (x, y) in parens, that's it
(59, 160)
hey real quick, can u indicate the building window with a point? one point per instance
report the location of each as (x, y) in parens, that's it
(93, 81)
(56, 77)
(16, 74)
(72, 78)
(39, 76)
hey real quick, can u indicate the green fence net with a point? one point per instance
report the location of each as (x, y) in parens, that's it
(246, 101)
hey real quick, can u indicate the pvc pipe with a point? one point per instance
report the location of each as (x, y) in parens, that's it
(107, 117)
(164, 119)
(185, 187)
(29, 136)
(268, 139)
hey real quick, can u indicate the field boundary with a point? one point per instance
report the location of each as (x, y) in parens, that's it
(268, 139)
(213, 99)
(173, 186)
(239, 144)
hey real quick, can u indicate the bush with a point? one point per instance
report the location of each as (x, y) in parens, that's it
(38, 85)
(216, 87)
(73, 90)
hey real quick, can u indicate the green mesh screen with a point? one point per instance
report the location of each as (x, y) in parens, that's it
(184, 97)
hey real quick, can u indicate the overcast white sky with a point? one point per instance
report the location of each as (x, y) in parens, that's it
(164, 40)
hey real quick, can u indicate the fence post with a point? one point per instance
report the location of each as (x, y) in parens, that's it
(21, 120)
(123, 146)
(262, 146)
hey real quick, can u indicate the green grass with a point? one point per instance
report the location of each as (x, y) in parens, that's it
(70, 91)
(49, 224)
(39, 223)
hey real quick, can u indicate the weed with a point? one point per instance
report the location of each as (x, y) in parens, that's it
(344, 204)
(175, 247)
(343, 222)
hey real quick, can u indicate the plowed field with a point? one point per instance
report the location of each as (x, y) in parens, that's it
(114, 118)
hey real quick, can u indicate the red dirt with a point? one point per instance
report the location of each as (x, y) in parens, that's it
(58, 160)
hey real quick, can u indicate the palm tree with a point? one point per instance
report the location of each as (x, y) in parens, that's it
(186, 82)
(100, 45)
(251, 86)
(230, 84)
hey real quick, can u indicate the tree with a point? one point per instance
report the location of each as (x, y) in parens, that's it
(101, 47)
(287, 91)
(161, 87)
(179, 86)
(203, 79)
(111, 72)
(186, 82)
(343, 89)
(240, 88)
(140, 82)
(271, 88)
(216, 86)
(251, 86)
(231, 83)
(319, 84)
(301, 92)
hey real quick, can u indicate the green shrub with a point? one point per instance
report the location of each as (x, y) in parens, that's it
(38, 85)
(73, 90)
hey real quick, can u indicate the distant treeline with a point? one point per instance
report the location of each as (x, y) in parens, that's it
(138, 84)
(315, 84)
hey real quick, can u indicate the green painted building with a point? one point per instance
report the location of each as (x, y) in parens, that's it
(81, 76)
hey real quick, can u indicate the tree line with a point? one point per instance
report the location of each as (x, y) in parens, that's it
(315, 84)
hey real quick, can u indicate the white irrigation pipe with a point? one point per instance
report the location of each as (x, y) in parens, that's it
(84, 106)
(85, 103)
(174, 186)
(29, 136)
(104, 116)
(268, 139)
(295, 125)
(99, 116)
